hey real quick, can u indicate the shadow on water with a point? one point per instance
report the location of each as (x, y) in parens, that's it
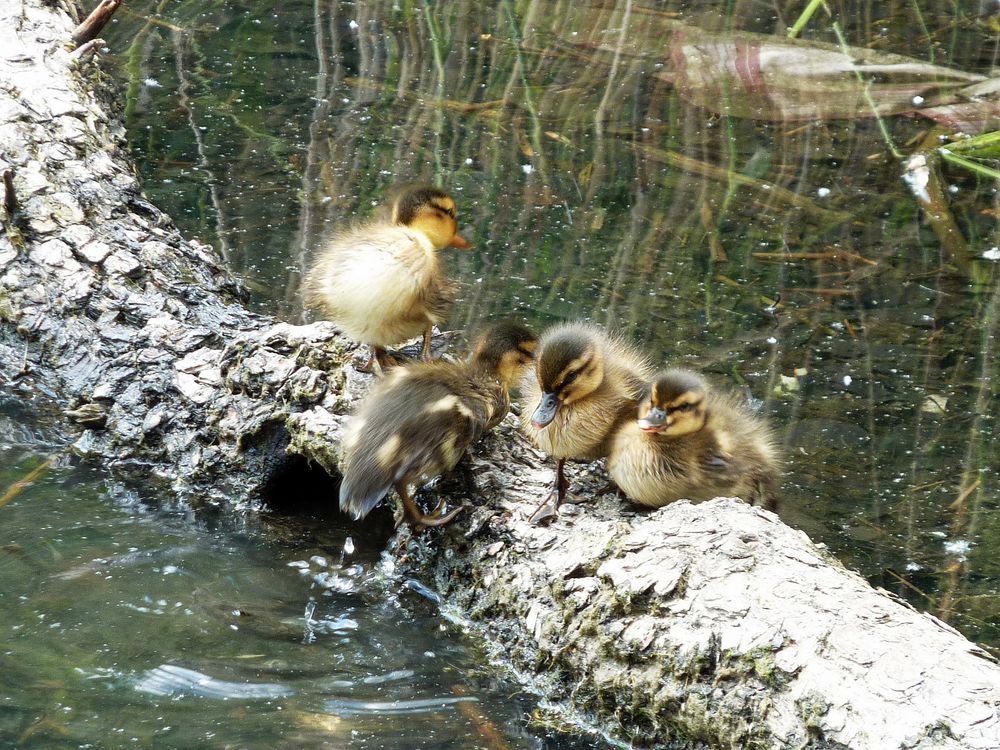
(642, 165)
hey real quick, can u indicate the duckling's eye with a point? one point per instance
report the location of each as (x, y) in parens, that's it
(684, 407)
(571, 377)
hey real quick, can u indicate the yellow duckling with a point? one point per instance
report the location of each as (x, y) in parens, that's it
(586, 385)
(418, 420)
(692, 442)
(383, 282)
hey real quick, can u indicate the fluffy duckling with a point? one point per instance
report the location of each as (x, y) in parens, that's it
(586, 385)
(418, 420)
(692, 442)
(383, 282)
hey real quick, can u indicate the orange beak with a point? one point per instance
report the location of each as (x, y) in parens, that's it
(459, 242)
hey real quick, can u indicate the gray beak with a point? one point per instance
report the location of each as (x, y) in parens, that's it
(546, 410)
(655, 421)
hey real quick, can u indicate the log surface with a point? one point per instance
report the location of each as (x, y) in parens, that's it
(697, 625)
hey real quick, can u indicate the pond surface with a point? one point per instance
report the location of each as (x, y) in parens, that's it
(675, 171)
(132, 626)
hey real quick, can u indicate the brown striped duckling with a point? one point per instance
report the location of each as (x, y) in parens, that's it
(417, 421)
(586, 385)
(690, 441)
(383, 282)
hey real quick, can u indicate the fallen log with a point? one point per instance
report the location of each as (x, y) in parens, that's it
(697, 625)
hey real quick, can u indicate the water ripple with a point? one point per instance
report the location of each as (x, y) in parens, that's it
(341, 707)
(169, 679)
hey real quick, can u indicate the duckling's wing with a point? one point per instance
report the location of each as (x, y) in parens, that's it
(365, 479)
(716, 463)
(412, 433)
(437, 295)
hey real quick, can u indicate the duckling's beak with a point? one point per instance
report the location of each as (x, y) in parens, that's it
(546, 410)
(459, 242)
(655, 421)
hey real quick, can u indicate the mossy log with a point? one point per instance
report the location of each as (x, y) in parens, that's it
(697, 625)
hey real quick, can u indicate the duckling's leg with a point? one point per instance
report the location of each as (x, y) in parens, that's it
(378, 361)
(417, 519)
(372, 366)
(426, 352)
(549, 509)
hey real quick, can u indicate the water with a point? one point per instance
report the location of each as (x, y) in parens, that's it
(130, 625)
(595, 182)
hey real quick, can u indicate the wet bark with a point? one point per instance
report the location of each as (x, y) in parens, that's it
(711, 624)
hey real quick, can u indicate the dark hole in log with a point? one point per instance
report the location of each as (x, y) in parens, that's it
(292, 484)
(296, 485)
(304, 494)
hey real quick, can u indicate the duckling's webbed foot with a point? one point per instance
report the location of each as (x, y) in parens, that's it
(549, 509)
(438, 517)
(420, 520)
(378, 361)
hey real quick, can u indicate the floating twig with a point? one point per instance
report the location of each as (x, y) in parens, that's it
(711, 230)
(96, 21)
(721, 174)
(821, 292)
(364, 83)
(959, 502)
(931, 600)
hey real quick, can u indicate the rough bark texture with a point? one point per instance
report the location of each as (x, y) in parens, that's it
(712, 624)
(141, 332)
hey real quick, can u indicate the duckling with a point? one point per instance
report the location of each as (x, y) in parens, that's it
(690, 441)
(383, 282)
(586, 385)
(418, 420)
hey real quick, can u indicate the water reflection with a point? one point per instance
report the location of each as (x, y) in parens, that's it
(699, 218)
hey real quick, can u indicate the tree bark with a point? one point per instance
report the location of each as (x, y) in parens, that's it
(710, 624)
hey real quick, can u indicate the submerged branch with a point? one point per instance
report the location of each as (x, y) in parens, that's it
(20, 485)
(705, 169)
(96, 21)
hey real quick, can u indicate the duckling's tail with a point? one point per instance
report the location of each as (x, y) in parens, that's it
(358, 497)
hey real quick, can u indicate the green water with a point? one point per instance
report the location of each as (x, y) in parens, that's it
(128, 625)
(595, 183)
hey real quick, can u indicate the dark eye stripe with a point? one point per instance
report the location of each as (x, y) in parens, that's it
(446, 211)
(687, 406)
(573, 376)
